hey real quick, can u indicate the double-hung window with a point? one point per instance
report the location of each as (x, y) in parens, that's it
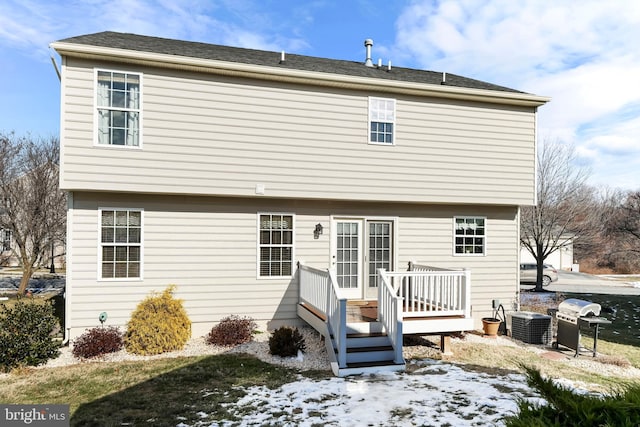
(470, 235)
(121, 243)
(275, 253)
(382, 119)
(118, 108)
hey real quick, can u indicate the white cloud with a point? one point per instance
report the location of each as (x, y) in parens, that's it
(35, 24)
(582, 54)
(26, 25)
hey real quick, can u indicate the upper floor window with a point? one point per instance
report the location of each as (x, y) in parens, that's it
(470, 236)
(120, 243)
(118, 108)
(275, 245)
(382, 118)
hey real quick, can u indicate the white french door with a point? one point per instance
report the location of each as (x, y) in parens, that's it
(360, 247)
(379, 253)
(348, 256)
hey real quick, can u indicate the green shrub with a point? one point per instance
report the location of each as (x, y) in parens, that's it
(286, 342)
(566, 408)
(98, 341)
(232, 330)
(26, 334)
(158, 324)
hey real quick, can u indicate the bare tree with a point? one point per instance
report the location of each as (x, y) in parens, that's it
(627, 222)
(562, 213)
(33, 207)
(605, 252)
(624, 224)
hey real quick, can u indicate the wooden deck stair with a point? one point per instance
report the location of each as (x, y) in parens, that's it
(368, 348)
(369, 351)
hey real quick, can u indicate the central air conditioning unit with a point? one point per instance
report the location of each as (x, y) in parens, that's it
(531, 328)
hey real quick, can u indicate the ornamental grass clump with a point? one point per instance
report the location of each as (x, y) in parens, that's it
(97, 342)
(232, 330)
(26, 334)
(158, 324)
(286, 342)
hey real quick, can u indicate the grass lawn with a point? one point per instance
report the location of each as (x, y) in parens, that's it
(168, 391)
(173, 390)
(159, 392)
(599, 373)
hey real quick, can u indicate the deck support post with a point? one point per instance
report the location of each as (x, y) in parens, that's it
(445, 344)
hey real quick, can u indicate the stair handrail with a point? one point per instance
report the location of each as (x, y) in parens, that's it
(337, 318)
(390, 314)
(319, 288)
(313, 287)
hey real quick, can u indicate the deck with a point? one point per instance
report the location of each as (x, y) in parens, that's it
(366, 311)
(423, 300)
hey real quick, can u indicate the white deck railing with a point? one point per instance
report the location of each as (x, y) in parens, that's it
(430, 291)
(319, 289)
(422, 291)
(390, 314)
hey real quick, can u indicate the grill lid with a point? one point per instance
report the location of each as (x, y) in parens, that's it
(577, 308)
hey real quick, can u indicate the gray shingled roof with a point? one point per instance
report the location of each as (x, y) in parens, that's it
(260, 57)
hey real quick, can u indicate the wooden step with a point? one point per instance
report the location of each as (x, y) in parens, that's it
(353, 365)
(368, 354)
(369, 349)
(366, 334)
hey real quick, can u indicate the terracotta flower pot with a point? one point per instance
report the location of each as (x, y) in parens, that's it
(490, 326)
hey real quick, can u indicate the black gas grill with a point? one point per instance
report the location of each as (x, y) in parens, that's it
(573, 314)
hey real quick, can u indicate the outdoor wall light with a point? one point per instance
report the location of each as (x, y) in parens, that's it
(318, 231)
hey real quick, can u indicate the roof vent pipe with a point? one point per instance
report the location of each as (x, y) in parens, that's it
(368, 43)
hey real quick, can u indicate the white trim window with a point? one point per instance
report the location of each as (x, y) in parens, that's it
(275, 245)
(120, 243)
(470, 235)
(382, 119)
(118, 108)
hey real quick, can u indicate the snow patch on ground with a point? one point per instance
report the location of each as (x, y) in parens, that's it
(435, 393)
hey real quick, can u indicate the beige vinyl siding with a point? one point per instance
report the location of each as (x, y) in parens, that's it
(207, 247)
(493, 276)
(207, 135)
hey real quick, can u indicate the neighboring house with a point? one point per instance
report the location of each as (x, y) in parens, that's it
(218, 169)
(9, 248)
(9, 251)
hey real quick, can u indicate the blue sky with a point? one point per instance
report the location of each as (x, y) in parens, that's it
(583, 54)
